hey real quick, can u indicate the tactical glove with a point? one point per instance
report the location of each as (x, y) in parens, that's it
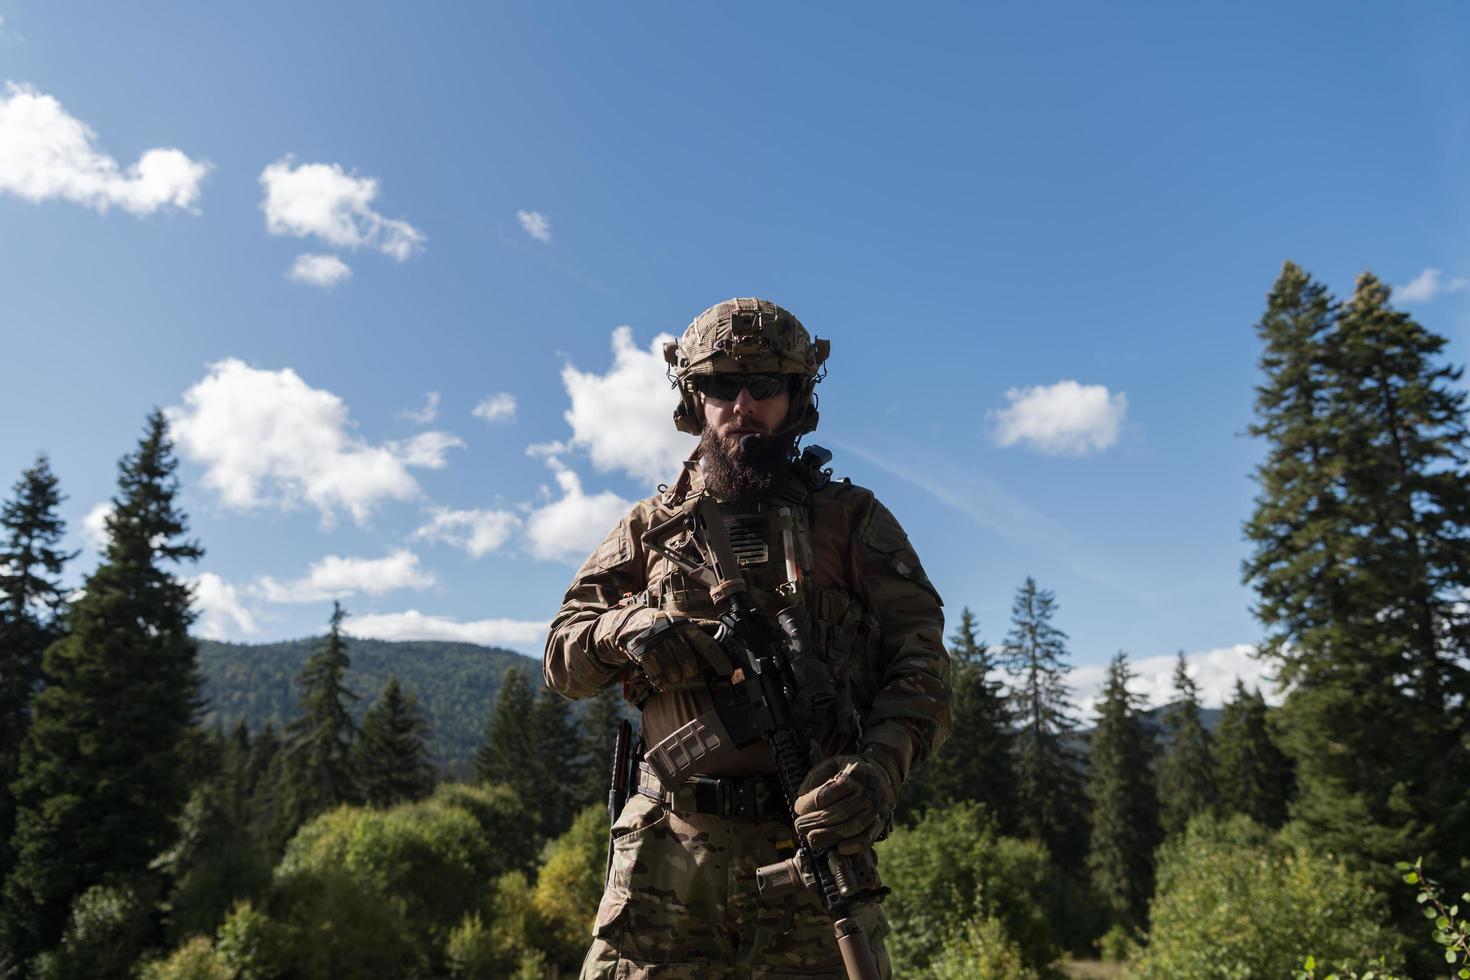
(846, 803)
(668, 649)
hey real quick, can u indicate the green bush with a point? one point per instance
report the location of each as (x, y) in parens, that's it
(108, 930)
(951, 869)
(569, 887)
(981, 950)
(194, 960)
(1234, 902)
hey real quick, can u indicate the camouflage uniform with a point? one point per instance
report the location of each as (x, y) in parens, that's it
(682, 900)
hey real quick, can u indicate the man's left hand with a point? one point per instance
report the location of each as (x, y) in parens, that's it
(845, 803)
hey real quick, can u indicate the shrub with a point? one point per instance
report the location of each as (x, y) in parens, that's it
(951, 869)
(1232, 901)
(108, 930)
(981, 950)
(194, 960)
(569, 887)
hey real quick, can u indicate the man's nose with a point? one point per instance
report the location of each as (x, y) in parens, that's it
(743, 401)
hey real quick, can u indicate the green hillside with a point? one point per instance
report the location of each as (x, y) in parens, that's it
(456, 684)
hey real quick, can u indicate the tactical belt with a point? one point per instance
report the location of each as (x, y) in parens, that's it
(749, 797)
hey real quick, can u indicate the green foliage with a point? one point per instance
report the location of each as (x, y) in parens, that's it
(981, 950)
(258, 683)
(1234, 902)
(31, 604)
(951, 868)
(212, 863)
(976, 762)
(102, 773)
(109, 927)
(1048, 769)
(599, 725)
(505, 946)
(1255, 776)
(319, 772)
(1187, 784)
(569, 886)
(1125, 811)
(417, 873)
(1360, 533)
(391, 756)
(194, 960)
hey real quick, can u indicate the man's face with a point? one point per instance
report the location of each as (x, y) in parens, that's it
(733, 418)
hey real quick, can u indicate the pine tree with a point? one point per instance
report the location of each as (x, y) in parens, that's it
(599, 727)
(102, 769)
(392, 751)
(507, 756)
(976, 762)
(318, 745)
(557, 746)
(1049, 788)
(1254, 775)
(31, 604)
(1187, 772)
(1360, 538)
(1125, 809)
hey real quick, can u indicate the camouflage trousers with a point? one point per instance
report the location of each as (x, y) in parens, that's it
(682, 905)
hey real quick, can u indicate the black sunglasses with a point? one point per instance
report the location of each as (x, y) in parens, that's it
(726, 387)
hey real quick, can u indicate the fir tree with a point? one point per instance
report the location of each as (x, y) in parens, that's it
(1360, 538)
(1049, 790)
(392, 751)
(557, 746)
(1254, 775)
(31, 604)
(318, 745)
(102, 768)
(1125, 809)
(507, 757)
(976, 762)
(599, 726)
(1187, 772)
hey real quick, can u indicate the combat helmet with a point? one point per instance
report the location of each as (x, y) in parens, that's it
(751, 336)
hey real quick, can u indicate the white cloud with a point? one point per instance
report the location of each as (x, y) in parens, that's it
(425, 415)
(536, 224)
(335, 577)
(624, 418)
(221, 614)
(1427, 285)
(1215, 671)
(478, 532)
(323, 200)
(1064, 419)
(268, 439)
(427, 449)
(496, 407)
(324, 271)
(567, 529)
(414, 625)
(94, 525)
(48, 154)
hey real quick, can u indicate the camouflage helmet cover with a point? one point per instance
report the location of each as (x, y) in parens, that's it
(746, 336)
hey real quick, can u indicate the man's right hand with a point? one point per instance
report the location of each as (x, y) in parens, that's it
(668, 649)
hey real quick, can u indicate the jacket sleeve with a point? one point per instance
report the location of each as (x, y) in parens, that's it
(910, 714)
(580, 659)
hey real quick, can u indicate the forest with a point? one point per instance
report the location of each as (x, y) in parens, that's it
(327, 832)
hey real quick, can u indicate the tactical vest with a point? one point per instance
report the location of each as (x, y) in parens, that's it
(796, 547)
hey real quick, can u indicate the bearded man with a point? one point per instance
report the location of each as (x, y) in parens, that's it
(681, 898)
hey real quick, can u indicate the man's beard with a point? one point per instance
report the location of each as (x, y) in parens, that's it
(736, 476)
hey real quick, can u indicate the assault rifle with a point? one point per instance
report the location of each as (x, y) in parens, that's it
(773, 688)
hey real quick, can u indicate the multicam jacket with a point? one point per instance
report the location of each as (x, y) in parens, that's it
(877, 618)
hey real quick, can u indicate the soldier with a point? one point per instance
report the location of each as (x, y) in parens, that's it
(681, 898)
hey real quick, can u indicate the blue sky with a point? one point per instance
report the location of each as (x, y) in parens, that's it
(1037, 235)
